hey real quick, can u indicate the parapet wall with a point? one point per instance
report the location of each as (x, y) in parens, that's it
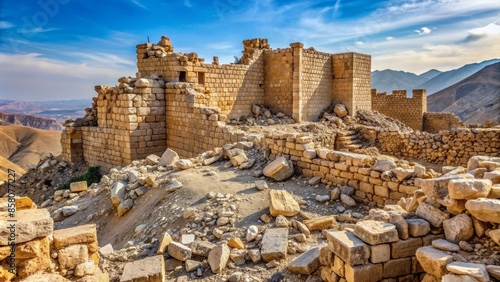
(409, 111)
(434, 122)
(450, 147)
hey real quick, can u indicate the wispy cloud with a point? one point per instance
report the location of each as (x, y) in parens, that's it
(360, 43)
(139, 4)
(5, 25)
(423, 30)
(492, 29)
(188, 3)
(337, 6)
(221, 46)
(389, 38)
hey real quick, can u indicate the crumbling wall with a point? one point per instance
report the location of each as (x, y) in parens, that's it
(71, 143)
(317, 86)
(278, 73)
(409, 111)
(434, 122)
(235, 88)
(352, 81)
(451, 147)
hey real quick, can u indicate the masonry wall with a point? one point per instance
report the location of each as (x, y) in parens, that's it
(450, 147)
(409, 111)
(352, 80)
(434, 122)
(317, 85)
(278, 74)
(235, 88)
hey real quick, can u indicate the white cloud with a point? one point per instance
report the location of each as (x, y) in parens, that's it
(337, 6)
(360, 43)
(139, 4)
(389, 38)
(36, 30)
(50, 79)
(423, 30)
(490, 29)
(220, 46)
(5, 25)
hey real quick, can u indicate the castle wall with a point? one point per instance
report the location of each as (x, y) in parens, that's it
(434, 122)
(352, 81)
(278, 80)
(409, 111)
(317, 85)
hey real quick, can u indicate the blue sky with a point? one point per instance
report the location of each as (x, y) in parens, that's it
(60, 49)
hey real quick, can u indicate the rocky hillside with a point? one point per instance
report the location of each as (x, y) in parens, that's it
(31, 121)
(475, 99)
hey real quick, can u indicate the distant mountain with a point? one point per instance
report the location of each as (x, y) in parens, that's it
(388, 80)
(430, 74)
(451, 77)
(474, 99)
(60, 110)
(31, 121)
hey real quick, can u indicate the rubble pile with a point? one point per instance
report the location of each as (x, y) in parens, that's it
(262, 116)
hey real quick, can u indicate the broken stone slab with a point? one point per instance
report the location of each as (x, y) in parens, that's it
(340, 110)
(376, 232)
(168, 158)
(248, 164)
(474, 162)
(192, 265)
(468, 189)
(173, 185)
(433, 261)
(347, 200)
(438, 187)
(314, 180)
(320, 223)
(202, 248)
(432, 214)
(117, 192)
(79, 186)
(236, 243)
(457, 278)
(402, 173)
(487, 210)
(31, 224)
(458, 228)
(218, 257)
(179, 251)
(165, 241)
(237, 156)
(274, 244)
(302, 228)
(493, 176)
(494, 271)
(306, 263)
(280, 169)
(238, 256)
(147, 269)
(383, 165)
(348, 247)
(83, 234)
(445, 245)
(282, 203)
(475, 270)
(124, 207)
(184, 164)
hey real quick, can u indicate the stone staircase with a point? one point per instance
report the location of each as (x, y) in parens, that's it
(348, 139)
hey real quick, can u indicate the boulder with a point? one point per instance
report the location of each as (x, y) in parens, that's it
(280, 169)
(282, 203)
(168, 158)
(474, 161)
(124, 207)
(458, 228)
(383, 165)
(183, 164)
(202, 248)
(468, 189)
(218, 257)
(117, 192)
(340, 110)
(179, 251)
(237, 156)
(487, 210)
(152, 159)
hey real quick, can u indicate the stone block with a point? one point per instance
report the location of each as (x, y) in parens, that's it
(151, 269)
(364, 273)
(458, 228)
(438, 187)
(179, 251)
(418, 227)
(348, 247)
(168, 158)
(31, 249)
(83, 234)
(280, 169)
(397, 267)
(432, 214)
(31, 224)
(320, 223)
(79, 186)
(380, 253)
(218, 257)
(306, 263)
(274, 244)
(282, 203)
(467, 189)
(487, 210)
(202, 248)
(475, 270)
(165, 241)
(376, 232)
(72, 256)
(405, 248)
(433, 261)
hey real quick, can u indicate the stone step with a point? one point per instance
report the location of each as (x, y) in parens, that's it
(347, 138)
(347, 133)
(353, 147)
(350, 142)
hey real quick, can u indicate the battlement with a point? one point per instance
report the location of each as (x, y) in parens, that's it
(409, 110)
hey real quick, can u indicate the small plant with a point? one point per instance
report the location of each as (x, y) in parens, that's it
(93, 175)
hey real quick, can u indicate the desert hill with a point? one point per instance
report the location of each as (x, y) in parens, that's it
(32, 121)
(22, 146)
(475, 99)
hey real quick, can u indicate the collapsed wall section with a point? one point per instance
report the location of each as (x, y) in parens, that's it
(409, 111)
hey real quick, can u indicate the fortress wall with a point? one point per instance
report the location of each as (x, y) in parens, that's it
(409, 111)
(278, 73)
(317, 86)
